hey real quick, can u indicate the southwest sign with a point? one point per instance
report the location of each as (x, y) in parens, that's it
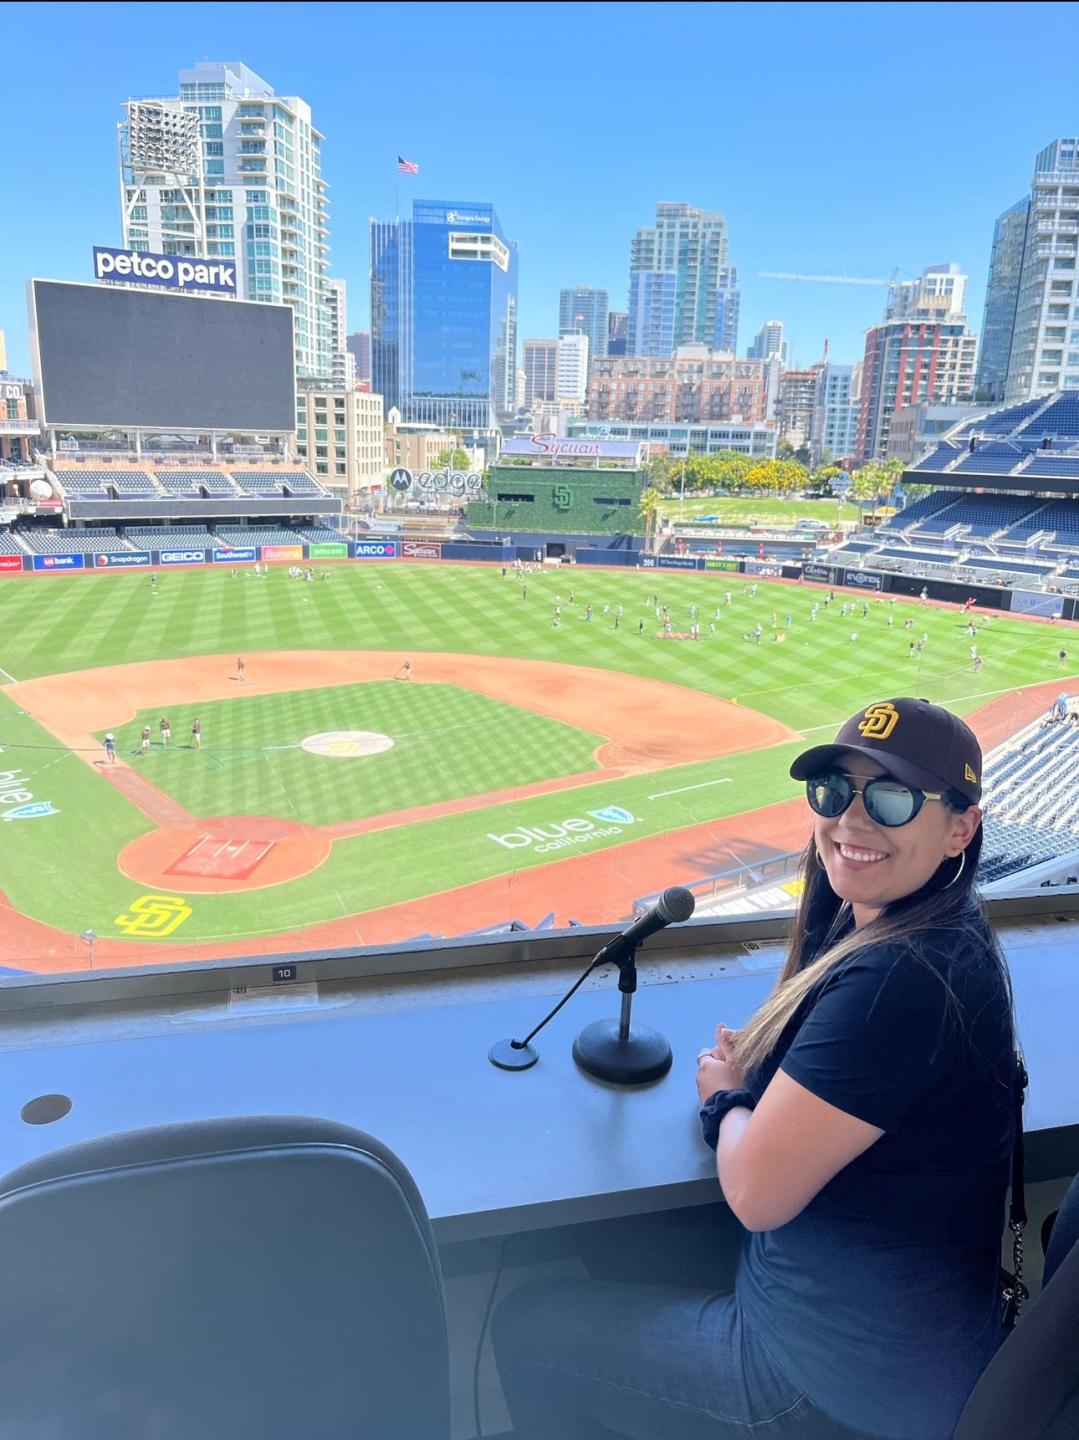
(234, 557)
(163, 272)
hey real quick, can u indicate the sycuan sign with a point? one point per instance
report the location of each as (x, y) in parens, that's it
(164, 272)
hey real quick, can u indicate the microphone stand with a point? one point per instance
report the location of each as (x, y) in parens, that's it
(612, 1051)
(606, 1049)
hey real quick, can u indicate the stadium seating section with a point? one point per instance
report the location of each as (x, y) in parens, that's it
(72, 542)
(1031, 810)
(9, 545)
(160, 537)
(79, 479)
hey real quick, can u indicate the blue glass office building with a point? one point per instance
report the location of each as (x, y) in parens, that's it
(444, 314)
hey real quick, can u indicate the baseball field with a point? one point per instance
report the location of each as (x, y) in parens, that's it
(426, 749)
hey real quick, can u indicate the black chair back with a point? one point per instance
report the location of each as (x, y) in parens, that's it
(265, 1277)
(1030, 1390)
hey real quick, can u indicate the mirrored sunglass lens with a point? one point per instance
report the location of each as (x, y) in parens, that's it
(829, 794)
(888, 802)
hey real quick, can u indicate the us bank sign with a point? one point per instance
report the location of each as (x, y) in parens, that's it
(164, 272)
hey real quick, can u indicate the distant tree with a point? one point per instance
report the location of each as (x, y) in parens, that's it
(459, 460)
(649, 509)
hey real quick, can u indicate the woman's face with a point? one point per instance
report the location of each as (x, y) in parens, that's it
(872, 865)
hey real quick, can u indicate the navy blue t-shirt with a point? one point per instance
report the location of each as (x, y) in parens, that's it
(881, 1299)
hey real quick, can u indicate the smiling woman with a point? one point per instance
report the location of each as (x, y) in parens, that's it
(863, 1122)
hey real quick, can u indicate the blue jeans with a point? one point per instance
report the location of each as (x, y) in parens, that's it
(593, 1359)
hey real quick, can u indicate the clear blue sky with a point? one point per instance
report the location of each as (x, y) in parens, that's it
(836, 138)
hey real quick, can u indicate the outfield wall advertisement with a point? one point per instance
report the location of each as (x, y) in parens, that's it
(10, 562)
(421, 549)
(122, 559)
(291, 553)
(863, 579)
(59, 562)
(235, 557)
(181, 557)
(375, 550)
(325, 550)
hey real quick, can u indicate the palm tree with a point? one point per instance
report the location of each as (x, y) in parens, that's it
(649, 509)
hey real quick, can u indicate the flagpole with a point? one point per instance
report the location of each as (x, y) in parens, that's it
(396, 190)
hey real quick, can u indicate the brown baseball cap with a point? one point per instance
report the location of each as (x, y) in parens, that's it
(922, 745)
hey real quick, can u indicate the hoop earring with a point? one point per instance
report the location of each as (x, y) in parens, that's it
(962, 867)
(820, 863)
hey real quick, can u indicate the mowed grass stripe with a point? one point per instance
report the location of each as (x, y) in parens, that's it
(448, 743)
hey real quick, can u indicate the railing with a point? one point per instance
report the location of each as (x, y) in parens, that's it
(19, 427)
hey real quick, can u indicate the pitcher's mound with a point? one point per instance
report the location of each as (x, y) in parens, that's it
(346, 744)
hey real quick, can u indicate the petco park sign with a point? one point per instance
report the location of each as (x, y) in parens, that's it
(165, 272)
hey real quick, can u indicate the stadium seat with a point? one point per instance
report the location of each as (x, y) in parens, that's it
(1030, 1390)
(260, 1276)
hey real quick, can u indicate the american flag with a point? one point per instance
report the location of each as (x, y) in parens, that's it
(407, 167)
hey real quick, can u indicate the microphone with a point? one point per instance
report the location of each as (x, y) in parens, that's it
(607, 1049)
(673, 906)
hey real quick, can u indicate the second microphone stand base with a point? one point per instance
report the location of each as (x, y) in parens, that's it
(642, 1055)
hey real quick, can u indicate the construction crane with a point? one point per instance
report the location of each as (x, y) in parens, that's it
(825, 279)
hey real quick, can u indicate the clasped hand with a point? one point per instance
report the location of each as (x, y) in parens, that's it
(716, 1068)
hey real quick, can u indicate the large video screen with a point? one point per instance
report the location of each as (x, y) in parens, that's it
(132, 358)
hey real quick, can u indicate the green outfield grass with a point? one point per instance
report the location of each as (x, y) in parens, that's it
(61, 868)
(447, 742)
(741, 510)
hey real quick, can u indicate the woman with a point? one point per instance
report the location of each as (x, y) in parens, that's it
(863, 1124)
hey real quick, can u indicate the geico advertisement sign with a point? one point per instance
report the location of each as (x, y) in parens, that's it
(166, 272)
(182, 557)
(576, 830)
(375, 550)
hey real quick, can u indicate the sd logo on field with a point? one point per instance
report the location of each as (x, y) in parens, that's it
(155, 915)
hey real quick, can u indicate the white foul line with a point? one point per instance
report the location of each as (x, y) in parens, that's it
(683, 788)
(9, 675)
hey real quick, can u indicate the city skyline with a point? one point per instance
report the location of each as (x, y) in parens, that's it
(574, 220)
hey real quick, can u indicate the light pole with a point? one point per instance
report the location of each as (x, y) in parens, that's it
(88, 937)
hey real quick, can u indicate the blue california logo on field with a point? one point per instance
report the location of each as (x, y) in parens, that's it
(33, 811)
(560, 834)
(613, 815)
(15, 792)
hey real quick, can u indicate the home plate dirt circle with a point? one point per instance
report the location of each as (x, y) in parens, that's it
(346, 744)
(224, 854)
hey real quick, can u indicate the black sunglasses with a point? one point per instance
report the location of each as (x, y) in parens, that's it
(888, 802)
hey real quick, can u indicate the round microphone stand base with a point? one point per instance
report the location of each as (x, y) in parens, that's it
(509, 1056)
(635, 1059)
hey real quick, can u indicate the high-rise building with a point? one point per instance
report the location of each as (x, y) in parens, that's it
(541, 372)
(1001, 297)
(584, 309)
(697, 385)
(924, 350)
(1044, 351)
(358, 345)
(444, 315)
(767, 342)
(834, 431)
(573, 370)
(617, 323)
(728, 306)
(342, 361)
(796, 404)
(938, 290)
(675, 268)
(339, 437)
(230, 170)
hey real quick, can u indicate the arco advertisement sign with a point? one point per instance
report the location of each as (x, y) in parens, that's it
(375, 550)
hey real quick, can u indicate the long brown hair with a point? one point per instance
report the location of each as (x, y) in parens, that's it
(822, 936)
